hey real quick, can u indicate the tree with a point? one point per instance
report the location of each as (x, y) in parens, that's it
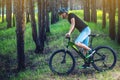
(3, 5)
(47, 16)
(104, 14)
(118, 32)
(99, 4)
(20, 28)
(41, 24)
(54, 11)
(86, 10)
(44, 17)
(65, 4)
(71, 4)
(27, 11)
(13, 8)
(112, 29)
(33, 25)
(93, 11)
(9, 13)
(0, 8)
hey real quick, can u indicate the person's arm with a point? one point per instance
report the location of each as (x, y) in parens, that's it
(72, 27)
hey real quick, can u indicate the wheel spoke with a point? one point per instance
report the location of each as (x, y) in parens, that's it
(97, 60)
(99, 54)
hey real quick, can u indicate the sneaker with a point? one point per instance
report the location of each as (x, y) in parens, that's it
(84, 66)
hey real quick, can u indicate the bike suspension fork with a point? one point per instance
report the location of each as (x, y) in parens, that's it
(64, 57)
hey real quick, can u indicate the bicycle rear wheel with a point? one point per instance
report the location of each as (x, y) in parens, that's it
(62, 62)
(104, 58)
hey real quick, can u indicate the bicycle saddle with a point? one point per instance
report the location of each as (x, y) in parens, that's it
(94, 35)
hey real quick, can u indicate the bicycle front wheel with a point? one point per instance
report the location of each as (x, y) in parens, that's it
(62, 62)
(104, 58)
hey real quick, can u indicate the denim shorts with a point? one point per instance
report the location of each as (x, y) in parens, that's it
(84, 36)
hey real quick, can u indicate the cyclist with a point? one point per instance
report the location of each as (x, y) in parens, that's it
(83, 38)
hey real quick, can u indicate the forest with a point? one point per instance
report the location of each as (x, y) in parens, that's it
(32, 30)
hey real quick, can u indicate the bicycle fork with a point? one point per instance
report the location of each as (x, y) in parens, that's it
(64, 58)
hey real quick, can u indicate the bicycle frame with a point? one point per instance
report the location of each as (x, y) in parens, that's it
(71, 44)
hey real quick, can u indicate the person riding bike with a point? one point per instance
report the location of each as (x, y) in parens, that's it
(83, 38)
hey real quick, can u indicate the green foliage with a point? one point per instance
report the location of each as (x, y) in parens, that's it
(7, 41)
(37, 65)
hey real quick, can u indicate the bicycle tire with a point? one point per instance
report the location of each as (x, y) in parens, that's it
(58, 64)
(101, 51)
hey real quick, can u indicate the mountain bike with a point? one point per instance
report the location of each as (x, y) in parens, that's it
(63, 62)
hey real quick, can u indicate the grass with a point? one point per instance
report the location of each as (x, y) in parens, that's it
(37, 64)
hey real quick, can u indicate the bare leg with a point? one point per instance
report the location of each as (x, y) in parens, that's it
(86, 48)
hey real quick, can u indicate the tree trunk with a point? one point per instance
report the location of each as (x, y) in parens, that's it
(86, 10)
(93, 11)
(41, 24)
(13, 19)
(107, 6)
(65, 4)
(33, 25)
(104, 14)
(57, 8)
(112, 29)
(27, 11)
(47, 17)
(54, 14)
(27, 17)
(71, 4)
(0, 8)
(118, 32)
(3, 5)
(20, 27)
(9, 13)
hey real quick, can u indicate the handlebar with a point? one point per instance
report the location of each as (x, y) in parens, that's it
(68, 38)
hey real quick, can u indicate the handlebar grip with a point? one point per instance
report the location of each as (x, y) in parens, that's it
(68, 38)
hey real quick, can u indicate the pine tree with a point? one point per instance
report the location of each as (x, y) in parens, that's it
(20, 28)
(9, 13)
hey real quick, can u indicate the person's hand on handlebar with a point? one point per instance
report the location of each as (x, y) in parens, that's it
(67, 35)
